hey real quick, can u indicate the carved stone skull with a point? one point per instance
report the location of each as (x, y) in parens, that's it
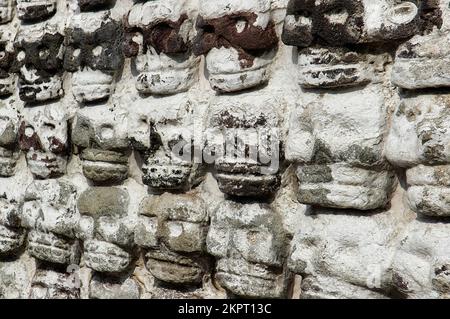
(100, 133)
(49, 212)
(40, 50)
(106, 229)
(172, 230)
(419, 139)
(159, 36)
(249, 243)
(43, 135)
(36, 9)
(342, 255)
(9, 150)
(243, 135)
(12, 235)
(165, 140)
(7, 58)
(94, 54)
(239, 41)
(421, 265)
(6, 11)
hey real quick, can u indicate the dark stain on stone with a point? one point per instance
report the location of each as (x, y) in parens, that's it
(251, 42)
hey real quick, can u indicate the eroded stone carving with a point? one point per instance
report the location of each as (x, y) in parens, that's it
(9, 129)
(91, 5)
(93, 55)
(105, 229)
(418, 138)
(43, 136)
(6, 11)
(421, 264)
(108, 236)
(49, 212)
(50, 284)
(338, 137)
(7, 58)
(40, 50)
(172, 230)
(159, 36)
(239, 41)
(244, 139)
(100, 133)
(30, 10)
(249, 243)
(352, 260)
(164, 136)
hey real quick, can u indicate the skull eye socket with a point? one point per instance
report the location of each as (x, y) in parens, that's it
(337, 15)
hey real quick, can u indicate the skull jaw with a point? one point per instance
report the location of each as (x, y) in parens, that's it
(230, 76)
(165, 82)
(52, 248)
(48, 90)
(174, 268)
(11, 240)
(246, 279)
(106, 257)
(167, 177)
(332, 288)
(243, 185)
(364, 190)
(316, 72)
(35, 10)
(91, 86)
(44, 165)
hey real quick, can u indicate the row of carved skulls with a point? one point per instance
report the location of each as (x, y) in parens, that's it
(57, 227)
(164, 38)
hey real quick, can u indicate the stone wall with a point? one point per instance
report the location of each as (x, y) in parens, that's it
(224, 148)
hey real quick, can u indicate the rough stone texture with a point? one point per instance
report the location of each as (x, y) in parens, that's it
(224, 148)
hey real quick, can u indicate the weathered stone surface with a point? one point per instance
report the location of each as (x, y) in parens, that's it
(239, 41)
(113, 288)
(172, 229)
(243, 138)
(50, 215)
(100, 133)
(105, 229)
(39, 60)
(165, 139)
(93, 54)
(12, 235)
(53, 284)
(31, 10)
(43, 136)
(353, 259)
(178, 149)
(6, 11)
(159, 36)
(421, 263)
(249, 243)
(9, 129)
